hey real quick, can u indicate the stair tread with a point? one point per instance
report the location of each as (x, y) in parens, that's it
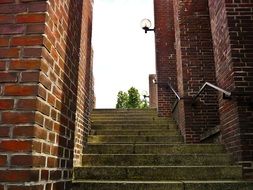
(148, 173)
(176, 154)
(135, 135)
(163, 181)
(213, 166)
(140, 129)
(162, 185)
(165, 144)
(139, 143)
(156, 159)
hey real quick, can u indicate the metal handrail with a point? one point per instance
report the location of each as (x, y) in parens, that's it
(177, 95)
(226, 94)
(173, 90)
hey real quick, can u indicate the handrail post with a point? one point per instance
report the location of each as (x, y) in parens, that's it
(177, 96)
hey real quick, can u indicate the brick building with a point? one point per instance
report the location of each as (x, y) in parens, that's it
(45, 91)
(207, 41)
(46, 82)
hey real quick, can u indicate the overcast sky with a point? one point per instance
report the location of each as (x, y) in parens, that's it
(123, 53)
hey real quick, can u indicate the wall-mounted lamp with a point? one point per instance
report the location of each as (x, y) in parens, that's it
(146, 25)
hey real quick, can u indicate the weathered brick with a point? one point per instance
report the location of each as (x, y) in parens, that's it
(9, 53)
(35, 28)
(12, 8)
(4, 131)
(52, 162)
(51, 100)
(21, 90)
(15, 146)
(8, 29)
(45, 81)
(23, 131)
(8, 77)
(28, 161)
(42, 93)
(19, 175)
(27, 41)
(3, 160)
(26, 104)
(25, 65)
(32, 52)
(31, 18)
(17, 117)
(44, 175)
(43, 108)
(6, 104)
(4, 42)
(56, 175)
(6, 19)
(39, 119)
(2, 65)
(30, 76)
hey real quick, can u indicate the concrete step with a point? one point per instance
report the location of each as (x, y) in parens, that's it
(124, 113)
(135, 132)
(110, 111)
(127, 117)
(134, 139)
(156, 159)
(144, 121)
(147, 173)
(153, 148)
(132, 127)
(162, 185)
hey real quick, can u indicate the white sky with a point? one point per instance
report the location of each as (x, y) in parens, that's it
(124, 55)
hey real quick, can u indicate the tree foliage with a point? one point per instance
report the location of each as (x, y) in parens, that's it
(131, 100)
(134, 99)
(122, 99)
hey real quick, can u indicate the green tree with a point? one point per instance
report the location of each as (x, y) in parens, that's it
(134, 100)
(131, 100)
(122, 100)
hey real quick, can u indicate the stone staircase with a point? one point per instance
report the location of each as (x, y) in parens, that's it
(136, 150)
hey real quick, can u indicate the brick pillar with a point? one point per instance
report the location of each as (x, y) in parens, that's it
(41, 83)
(152, 91)
(195, 66)
(232, 26)
(84, 81)
(165, 55)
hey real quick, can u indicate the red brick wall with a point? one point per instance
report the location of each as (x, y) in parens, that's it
(152, 91)
(85, 83)
(232, 27)
(195, 66)
(165, 55)
(179, 113)
(44, 91)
